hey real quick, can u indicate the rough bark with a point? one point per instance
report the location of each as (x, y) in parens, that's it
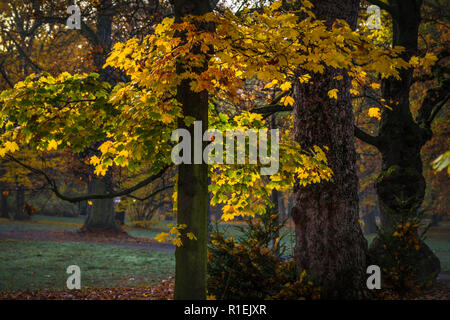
(190, 267)
(329, 242)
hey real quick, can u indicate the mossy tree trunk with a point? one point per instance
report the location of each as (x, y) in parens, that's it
(330, 245)
(193, 198)
(401, 184)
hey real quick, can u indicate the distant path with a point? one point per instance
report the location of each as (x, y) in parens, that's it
(74, 236)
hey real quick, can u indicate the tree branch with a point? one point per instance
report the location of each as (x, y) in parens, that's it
(367, 138)
(151, 195)
(109, 195)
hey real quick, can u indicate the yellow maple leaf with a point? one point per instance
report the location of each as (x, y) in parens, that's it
(95, 161)
(166, 118)
(286, 86)
(375, 113)
(354, 92)
(191, 236)
(375, 86)
(304, 78)
(177, 242)
(100, 170)
(105, 146)
(271, 84)
(163, 236)
(52, 145)
(333, 93)
(288, 100)
(11, 146)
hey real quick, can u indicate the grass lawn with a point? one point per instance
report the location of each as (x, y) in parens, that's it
(438, 239)
(31, 265)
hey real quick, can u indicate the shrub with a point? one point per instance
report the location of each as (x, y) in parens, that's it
(254, 266)
(406, 262)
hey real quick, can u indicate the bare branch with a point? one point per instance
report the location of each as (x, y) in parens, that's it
(367, 138)
(151, 195)
(110, 195)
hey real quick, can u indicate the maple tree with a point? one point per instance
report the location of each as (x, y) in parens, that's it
(170, 76)
(37, 39)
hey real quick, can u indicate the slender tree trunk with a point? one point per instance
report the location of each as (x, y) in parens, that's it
(193, 199)
(370, 225)
(101, 215)
(4, 213)
(282, 206)
(330, 245)
(20, 213)
(82, 208)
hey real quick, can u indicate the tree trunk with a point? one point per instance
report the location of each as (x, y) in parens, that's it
(330, 245)
(190, 267)
(401, 182)
(401, 185)
(20, 213)
(282, 207)
(4, 213)
(100, 215)
(370, 225)
(82, 208)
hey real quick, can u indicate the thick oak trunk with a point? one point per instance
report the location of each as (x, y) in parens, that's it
(193, 198)
(329, 242)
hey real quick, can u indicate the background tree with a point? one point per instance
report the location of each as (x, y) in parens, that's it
(401, 185)
(329, 242)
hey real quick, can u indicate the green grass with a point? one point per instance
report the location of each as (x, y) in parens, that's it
(29, 265)
(438, 240)
(32, 265)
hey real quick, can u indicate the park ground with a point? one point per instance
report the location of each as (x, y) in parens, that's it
(35, 254)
